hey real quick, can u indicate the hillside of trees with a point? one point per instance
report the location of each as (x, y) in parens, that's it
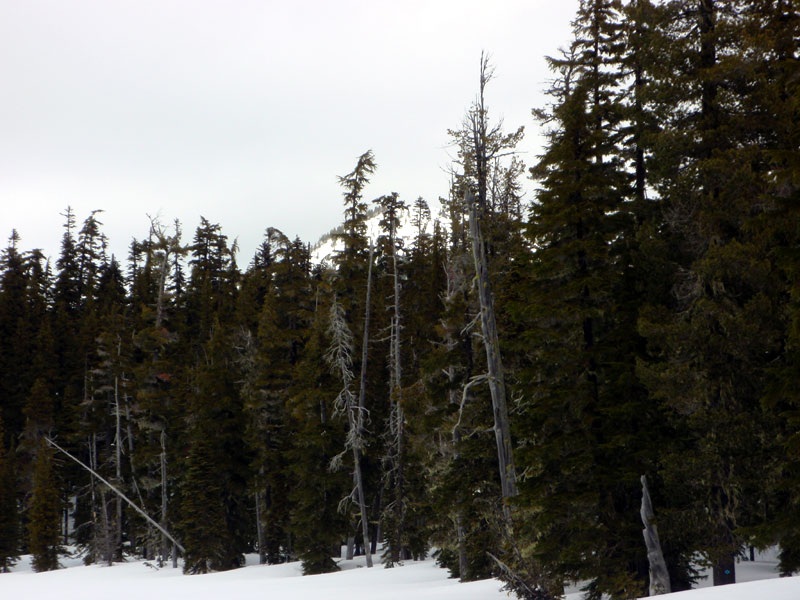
(626, 306)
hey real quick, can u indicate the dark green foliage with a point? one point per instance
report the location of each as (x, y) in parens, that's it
(268, 360)
(205, 532)
(713, 340)
(39, 422)
(153, 394)
(44, 514)
(9, 509)
(213, 512)
(354, 231)
(770, 33)
(15, 355)
(647, 301)
(456, 440)
(316, 490)
(586, 427)
(210, 293)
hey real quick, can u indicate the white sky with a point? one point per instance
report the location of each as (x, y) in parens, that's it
(245, 111)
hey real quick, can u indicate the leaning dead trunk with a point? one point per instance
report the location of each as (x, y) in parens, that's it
(659, 576)
(116, 491)
(491, 342)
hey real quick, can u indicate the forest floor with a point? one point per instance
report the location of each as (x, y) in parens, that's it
(423, 580)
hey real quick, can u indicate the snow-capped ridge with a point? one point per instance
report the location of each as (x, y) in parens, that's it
(327, 246)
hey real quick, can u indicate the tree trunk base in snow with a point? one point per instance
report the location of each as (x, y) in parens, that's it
(725, 571)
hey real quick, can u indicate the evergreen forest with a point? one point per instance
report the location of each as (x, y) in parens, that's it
(494, 387)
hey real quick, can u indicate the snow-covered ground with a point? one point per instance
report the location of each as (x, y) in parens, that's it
(138, 580)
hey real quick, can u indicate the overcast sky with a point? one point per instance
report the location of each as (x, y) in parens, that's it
(246, 111)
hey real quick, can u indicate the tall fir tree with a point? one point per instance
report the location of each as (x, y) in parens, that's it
(316, 489)
(768, 38)
(13, 358)
(712, 343)
(585, 423)
(214, 506)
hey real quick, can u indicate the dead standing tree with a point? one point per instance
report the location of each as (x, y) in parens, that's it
(488, 145)
(340, 360)
(163, 249)
(659, 576)
(396, 510)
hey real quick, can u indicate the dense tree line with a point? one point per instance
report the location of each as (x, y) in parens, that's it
(493, 387)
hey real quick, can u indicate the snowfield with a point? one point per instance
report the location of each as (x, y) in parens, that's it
(138, 580)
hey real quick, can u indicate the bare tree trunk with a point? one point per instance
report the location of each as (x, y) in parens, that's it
(168, 245)
(93, 495)
(377, 533)
(362, 392)
(262, 557)
(463, 565)
(118, 459)
(491, 342)
(134, 483)
(164, 505)
(162, 283)
(101, 539)
(65, 515)
(339, 357)
(108, 549)
(659, 576)
(396, 418)
(724, 570)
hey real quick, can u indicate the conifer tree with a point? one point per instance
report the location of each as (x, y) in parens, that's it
(9, 509)
(586, 417)
(354, 230)
(770, 32)
(13, 358)
(39, 423)
(316, 489)
(713, 186)
(353, 267)
(44, 514)
(205, 534)
(211, 292)
(67, 291)
(420, 218)
(155, 400)
(213, 515)
(267, 410)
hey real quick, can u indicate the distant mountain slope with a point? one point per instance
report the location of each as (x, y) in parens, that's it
(326, 247)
